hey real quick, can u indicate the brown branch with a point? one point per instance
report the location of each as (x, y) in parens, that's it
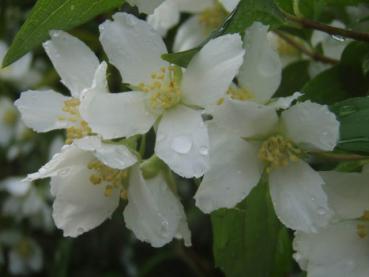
(340, 156)
(314, 55)
(307, 23)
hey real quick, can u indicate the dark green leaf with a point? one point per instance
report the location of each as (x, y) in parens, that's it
(249, 240)
(353, 115)
(47, 15)
(294, 76)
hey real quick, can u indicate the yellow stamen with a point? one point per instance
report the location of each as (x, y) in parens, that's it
(213, 17)
(240, 93)
(278, 151)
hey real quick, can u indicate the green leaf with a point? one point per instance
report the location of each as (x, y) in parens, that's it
(346, 79)
(249, 240)
(47, 15)
(353, 115)
(247, 12)
(294, 77)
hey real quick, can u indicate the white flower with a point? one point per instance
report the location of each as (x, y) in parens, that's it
(207, 18)
(249, 138)
(88, 178)
(342, 248)
(145, 6)
(161, 92)
(48, 110)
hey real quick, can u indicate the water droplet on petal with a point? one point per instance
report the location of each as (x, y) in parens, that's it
(338, 38)
(64, 172)
(204, 150)
(182, 144)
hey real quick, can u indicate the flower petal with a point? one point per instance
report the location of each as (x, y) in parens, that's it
(193, 6)
(80, 206)
(261, 71)
(164, 17)
(40, 109)
(146, 6)
(311, 125)
(15, 186)
(116, 115)
(190, 34)
(154, 213)
(183, 142)
(115, 156)
(138, 49)
(234, 170)
(212, 70)
(284, 102)
(74, 61)
(244, 118)
(229, 5)
(298, 197)
(334, 251)
(348, 193)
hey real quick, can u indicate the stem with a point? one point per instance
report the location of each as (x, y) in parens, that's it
(314, 55)
(339, 156)
(143, 145)
(307, 23)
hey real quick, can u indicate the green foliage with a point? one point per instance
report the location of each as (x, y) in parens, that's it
(249, 240)
(54, 14)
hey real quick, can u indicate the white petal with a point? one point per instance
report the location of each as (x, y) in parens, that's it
(348, 193)
(15, 186)
(311, 125)
(145, 6)
(246, 119)
(80, 206)
(212, 70)
(261, 71)
(74, 61)
(190, 34)
(182, 142)
(40, 109)
(116, 156)
(133, 47)
(154, 213)
(298, 197)
(18, 70)
(284, 102)
(229, 5)
(193, 6)
(63, 163)
(334, 251)
(234, 170)
(116, 115)
(164, 17)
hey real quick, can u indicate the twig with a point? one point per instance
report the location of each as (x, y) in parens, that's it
(307, 23)
(340, 156)
(314, 55)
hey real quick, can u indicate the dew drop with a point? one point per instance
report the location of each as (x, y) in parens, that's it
(182, 144)
(338, 38)
(204, 150)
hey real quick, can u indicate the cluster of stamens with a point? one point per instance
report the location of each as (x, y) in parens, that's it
(213, 17)
(362, 229)
(110, 177)
(164, 89)
(80, 128)
(239, 93)
(278, 151)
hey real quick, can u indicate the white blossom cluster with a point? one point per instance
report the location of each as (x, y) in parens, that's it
(216, 119)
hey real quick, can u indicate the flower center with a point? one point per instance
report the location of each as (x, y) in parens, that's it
(164, 89)
(278, 151)
(213, 17)
(80, 128)
(110, 177)
(362, 229)
(10, 117)
(239, 93)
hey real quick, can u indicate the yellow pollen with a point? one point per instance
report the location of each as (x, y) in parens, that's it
(10, 117)
(110, 177)
(80, 128)
(164, 89)
(213, 17)
(278, 151)
(239, 93)
(362, 229)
